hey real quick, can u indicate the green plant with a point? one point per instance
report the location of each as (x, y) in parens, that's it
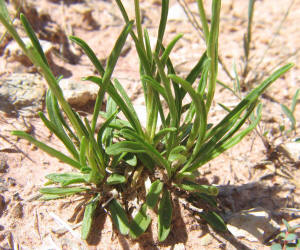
(288, 239)
(289, 112)
(115, 163)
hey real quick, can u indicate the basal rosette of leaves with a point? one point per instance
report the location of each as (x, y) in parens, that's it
(114, 163)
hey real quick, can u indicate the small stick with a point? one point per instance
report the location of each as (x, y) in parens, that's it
(64, 224)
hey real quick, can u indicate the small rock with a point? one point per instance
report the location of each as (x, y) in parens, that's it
(78, 94)
(176, 13)
(292, 150)
(22, 93)
(3, 189)
(11, 181)
(3, 164)
(17, 197)
(2, 204)
(17, 211)
(14, 53)
(206, 240)
(179, 246)
(254, 225)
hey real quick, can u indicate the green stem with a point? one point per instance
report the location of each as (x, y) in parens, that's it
(212, 51)
(203, 20)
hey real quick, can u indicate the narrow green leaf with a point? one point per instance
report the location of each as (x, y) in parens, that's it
(207, 198)
(287, 225)
(146, 147)
(164, 216)
(111, 63)
(4, 12)
(119, 217)
(169, 48)
(62, 190)
(295, 99)
(49, 197)
(83, 151)
(140, 223)
(162, 133)
(55, 114)
(226, 142)
(127, 100)
(89, 52)
(214, 220)
(49, 150)
(212, 51)
(67, 178)
(289, 115)
(194, 187)
(162, 25)
(291, 237)
(155, 85)
(88, 218)
(120, 102)
(124, 146)
(33, 38)
(203, 19)
(58, 131)
(199, 127)
(148, 45)
(115, 179)
(276, 246)
(248, 100)
(130, 159)
(154, 193)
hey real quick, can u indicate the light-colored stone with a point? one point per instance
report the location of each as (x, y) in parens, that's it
(254, 225)
(292, 149)
(13, 52)
(78, 94)
(22, 94)
(176, 13)
(179, 246)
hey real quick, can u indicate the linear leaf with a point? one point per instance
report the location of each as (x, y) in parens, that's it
(162, 133)
(49, 150)
(295, 99)
(111, 63)
(199, 127)
(89, 52)
(63, 190)
(67, 178)
(60, 135)
(4, 12)
(169, 48)
(155, 85)
(88, 217)
(248, 100)
(33, 38)
(164, 216)
(289, 115)
(119, 217)
(194, 187)
(214, 220)
(120, 102)
(226, 142)
(140, 223)
(115, 179)
(162, 25)
(124, 146)
(154, 193)
(148, 148)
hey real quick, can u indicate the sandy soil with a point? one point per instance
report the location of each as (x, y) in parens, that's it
(256, 173)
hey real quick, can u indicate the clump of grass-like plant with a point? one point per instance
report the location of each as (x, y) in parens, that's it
(116, 163)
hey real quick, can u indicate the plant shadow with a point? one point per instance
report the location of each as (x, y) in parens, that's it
(98, 225)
